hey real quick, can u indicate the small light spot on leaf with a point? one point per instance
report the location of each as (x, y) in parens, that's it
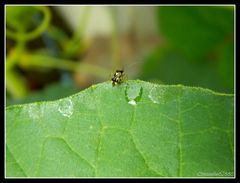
(153, 95)
(133, 93)
(132, 102)
(34, 111)
(65, 107)
(156, 95)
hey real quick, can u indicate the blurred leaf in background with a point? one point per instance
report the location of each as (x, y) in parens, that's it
(198, 48)
(38, 54)
(51, 92)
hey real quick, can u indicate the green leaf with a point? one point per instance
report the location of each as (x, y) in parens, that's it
(136, 129)
(196, 30)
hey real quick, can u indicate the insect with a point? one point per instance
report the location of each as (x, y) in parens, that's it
(118, 77)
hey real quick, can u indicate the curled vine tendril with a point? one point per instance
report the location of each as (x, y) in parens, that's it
(27, 36)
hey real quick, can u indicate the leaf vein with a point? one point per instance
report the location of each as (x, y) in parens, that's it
(15, 159)
(179, 139)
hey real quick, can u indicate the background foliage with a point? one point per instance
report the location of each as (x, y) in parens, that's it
(195, 48)
(198, 50)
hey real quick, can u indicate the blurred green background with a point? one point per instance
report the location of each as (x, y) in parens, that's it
(53, 52)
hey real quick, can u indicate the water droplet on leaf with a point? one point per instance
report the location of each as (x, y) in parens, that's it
(35, 111)
(156, 95)
(153, 95)
(65, 107)
(132, 102)
(133, 93)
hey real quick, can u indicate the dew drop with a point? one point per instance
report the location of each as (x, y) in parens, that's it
(133, 93)
(156, 95)
(153, 95)
(65, 107)
(163, 94)
(35, 111)
(132, 102)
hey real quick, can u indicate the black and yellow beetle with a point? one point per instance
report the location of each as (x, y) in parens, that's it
(118, 77)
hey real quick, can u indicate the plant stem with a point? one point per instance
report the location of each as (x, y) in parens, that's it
(83, 23)
(115, 41)
(27, 36)
(13, 57)
(15, 84)
(35, 60)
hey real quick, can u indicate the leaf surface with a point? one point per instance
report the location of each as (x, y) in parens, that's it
(136, 129)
